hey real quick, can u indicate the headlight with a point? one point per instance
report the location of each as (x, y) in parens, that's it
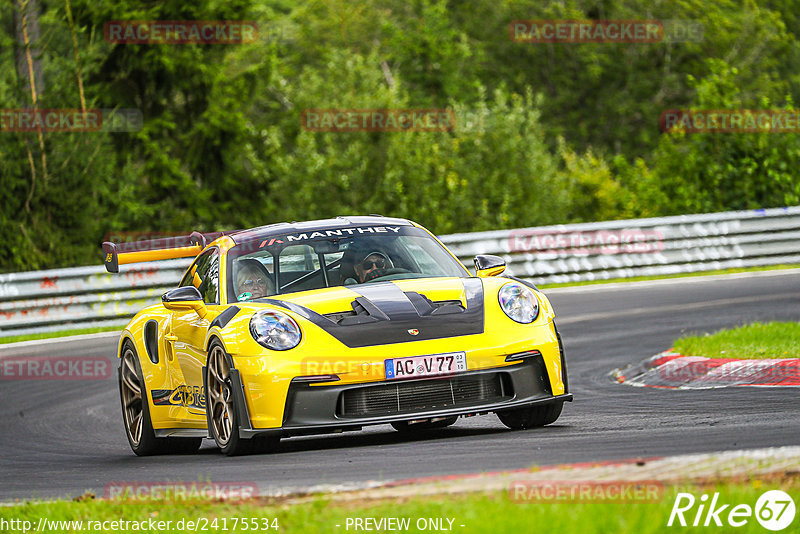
(518, 303)
(275, 330)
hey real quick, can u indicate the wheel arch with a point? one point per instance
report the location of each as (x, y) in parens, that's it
(214, 334)
(126, 336)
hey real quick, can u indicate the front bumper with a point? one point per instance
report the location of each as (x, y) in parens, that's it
(320, 409)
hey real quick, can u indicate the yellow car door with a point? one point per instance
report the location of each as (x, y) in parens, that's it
(188, 332)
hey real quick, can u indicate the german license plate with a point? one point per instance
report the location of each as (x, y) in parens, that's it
(430, 365)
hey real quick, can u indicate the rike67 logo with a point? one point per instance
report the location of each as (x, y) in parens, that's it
(774, 510)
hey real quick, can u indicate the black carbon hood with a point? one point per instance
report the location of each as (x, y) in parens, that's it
(384, 314)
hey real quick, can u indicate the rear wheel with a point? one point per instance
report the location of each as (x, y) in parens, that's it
(221, 406)
(136, 412)
(532, 416)
(408, 426)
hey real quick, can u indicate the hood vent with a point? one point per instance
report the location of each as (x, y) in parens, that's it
(364, 311)
(426, 306)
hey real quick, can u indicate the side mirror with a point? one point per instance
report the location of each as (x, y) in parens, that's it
(488, 265)
(184, 298)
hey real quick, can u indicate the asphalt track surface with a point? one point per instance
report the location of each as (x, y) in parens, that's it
(62, 438)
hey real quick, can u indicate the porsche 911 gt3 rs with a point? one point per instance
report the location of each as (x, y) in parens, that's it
(326, 326)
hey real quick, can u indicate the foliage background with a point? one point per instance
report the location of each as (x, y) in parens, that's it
(546, 133)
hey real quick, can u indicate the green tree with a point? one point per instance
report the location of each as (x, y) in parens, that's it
(721, 171)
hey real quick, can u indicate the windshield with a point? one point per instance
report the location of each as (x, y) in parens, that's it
(302, 261)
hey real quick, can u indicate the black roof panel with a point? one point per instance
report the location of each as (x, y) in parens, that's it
(272, 230)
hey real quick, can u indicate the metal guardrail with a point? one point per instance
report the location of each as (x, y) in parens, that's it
(81, 297)
(64, 299)
(640, 247)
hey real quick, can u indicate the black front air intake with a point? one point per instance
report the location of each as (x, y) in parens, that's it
(424, 395)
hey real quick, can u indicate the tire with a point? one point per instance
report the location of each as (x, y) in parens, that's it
(407, 427)
(136, 412)
(532, 416)
(221, 408)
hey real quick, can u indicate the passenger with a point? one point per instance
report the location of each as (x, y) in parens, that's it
(253, 283)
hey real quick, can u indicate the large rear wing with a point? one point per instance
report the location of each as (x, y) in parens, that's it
(116, 254)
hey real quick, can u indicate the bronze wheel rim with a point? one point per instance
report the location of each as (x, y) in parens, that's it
(220, 396)
(131, 397)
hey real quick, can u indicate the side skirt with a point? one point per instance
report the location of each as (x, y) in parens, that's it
(181, 433)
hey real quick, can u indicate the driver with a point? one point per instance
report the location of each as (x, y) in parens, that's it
(371, 266)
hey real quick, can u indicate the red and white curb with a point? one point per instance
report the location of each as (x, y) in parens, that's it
(676, 371)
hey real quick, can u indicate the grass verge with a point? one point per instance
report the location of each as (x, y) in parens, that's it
(756, 341)
(470, 513)
(60, 333)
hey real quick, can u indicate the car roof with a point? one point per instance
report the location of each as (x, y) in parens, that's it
(340, 222)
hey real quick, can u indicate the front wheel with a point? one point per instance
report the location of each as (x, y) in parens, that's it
(531, 416)
(221, 408)
(136, 412)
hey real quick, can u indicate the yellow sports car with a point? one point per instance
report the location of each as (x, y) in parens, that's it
(331, 325)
